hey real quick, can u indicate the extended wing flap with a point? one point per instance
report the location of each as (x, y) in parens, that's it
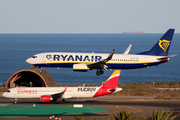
(59, 95)
(101, 64)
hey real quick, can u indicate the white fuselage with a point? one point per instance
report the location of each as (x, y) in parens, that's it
(37, 92)
(87, 61)
(118, 61)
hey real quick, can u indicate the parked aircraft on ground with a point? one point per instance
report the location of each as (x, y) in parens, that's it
(48, 94)
(88, 61)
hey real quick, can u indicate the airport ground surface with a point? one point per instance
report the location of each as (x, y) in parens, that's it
(137, 104)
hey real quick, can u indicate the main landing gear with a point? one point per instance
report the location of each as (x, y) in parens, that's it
(61, 100)
(99, 72)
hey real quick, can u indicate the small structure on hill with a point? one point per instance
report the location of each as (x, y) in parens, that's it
(31, 78)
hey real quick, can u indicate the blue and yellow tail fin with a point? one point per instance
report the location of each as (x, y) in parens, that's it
(161, 48)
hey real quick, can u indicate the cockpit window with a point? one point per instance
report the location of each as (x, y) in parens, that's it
(34, 56)
(8, 91)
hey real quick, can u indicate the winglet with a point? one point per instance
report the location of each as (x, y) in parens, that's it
(128, 49)
(110, 55)
(65, 89)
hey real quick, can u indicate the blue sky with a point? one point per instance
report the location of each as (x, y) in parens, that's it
(88, 16)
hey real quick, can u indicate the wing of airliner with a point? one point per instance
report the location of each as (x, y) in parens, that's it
(101, 64)
(95, 65)
(58, 96)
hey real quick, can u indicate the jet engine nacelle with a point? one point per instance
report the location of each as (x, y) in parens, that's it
(80, 67)
(46, 98)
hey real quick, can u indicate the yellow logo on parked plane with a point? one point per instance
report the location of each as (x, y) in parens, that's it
(164, 44)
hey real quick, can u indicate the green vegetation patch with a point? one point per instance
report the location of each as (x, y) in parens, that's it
(46, 110)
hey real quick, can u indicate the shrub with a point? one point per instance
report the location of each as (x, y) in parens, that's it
(159, 115)
(126, 116)
(123, 115)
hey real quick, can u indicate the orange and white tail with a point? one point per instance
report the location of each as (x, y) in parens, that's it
(110, 85)
(113, 79)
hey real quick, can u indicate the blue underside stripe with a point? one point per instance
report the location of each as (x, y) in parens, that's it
(80, 70)
(110, 66)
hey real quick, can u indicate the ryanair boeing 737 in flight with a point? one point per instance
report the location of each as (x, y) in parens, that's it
(88, 61)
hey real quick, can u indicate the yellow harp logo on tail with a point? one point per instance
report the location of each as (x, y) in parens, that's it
(164, 44)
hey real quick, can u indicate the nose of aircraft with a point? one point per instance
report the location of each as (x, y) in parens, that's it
(4, 94)
(29, 60)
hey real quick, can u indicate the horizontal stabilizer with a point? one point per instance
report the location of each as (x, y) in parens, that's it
(166, 57)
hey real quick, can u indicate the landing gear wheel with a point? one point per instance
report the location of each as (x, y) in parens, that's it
(60, 101)
(63, 101)
(97, 73)
(100, 72)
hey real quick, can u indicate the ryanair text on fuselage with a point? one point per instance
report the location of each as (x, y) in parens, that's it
(57, 57)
